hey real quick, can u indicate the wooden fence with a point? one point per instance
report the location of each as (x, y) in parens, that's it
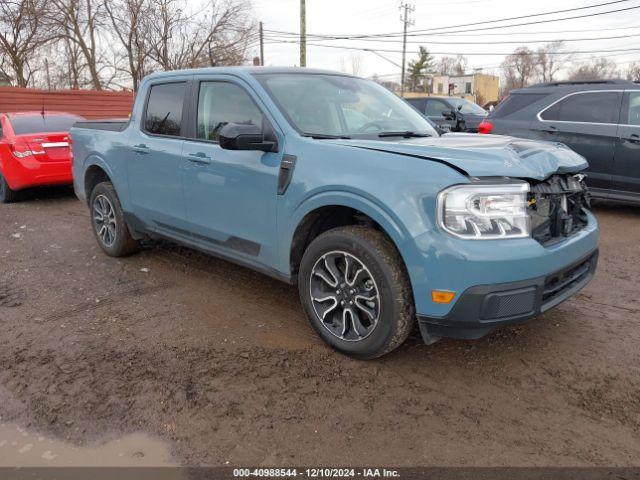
(90, 104)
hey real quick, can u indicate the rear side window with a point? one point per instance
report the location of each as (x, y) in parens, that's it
(631, 115)
(592, 107)
(516, 102)
(38, 123)
(164, 109)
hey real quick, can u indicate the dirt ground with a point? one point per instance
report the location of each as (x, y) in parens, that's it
(220, 363)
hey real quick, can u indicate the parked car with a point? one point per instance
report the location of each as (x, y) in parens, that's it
(374, 216)
(598, 119)
(34, 151)
(451, 114)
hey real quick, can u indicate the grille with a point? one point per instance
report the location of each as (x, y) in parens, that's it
(557, 284)
(557, 208)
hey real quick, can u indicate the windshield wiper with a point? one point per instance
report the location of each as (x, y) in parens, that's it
(324, 136)
(407, 134)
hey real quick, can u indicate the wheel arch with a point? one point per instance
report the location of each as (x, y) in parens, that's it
(335, 209)
(94, 174)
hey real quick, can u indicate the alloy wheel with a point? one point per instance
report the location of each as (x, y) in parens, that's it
(104, 218)
(345, 296)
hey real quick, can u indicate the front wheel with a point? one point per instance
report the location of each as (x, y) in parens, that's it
(356, 292)
(6, 194)
(107, 220)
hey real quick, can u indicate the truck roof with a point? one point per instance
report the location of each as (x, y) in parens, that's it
(249, 70)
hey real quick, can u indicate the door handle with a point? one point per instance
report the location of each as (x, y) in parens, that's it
(550, 130)
(199, 157)
(141, 148)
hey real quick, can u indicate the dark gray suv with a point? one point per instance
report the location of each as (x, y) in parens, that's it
(599, 120)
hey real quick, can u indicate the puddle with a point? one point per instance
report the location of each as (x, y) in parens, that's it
(22, 448)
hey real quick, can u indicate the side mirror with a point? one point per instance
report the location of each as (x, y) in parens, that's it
(244, 136)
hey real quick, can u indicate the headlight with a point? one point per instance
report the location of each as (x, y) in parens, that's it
(484, 212)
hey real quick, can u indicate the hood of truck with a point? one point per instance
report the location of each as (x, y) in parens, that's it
(483, 155)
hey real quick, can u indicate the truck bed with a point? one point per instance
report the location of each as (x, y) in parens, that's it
(113, 125)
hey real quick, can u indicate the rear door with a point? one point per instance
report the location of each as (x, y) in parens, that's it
(155, 158)
(587, 123)
(626, 162)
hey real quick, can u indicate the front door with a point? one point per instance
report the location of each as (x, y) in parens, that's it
(230, 194)
(587, 123)
(155, 158)
(435, 112)
(626, 162)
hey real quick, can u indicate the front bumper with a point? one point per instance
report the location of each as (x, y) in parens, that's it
(481, 309)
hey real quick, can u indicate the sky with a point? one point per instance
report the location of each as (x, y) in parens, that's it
(351, 17)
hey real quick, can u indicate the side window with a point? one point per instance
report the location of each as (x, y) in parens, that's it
(435, 108)
(419, 103)
(220, 103)
(632, 114)
(516, 102)
(164, 109)
(593, 107)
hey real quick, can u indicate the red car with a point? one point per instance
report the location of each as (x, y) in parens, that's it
(34, 151)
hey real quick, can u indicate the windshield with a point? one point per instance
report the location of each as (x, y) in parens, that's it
(341, 106)
(468, 107)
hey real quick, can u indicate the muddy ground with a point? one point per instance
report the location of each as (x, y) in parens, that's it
(220, 362)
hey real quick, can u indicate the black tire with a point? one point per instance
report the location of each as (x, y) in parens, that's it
(116, 241)
(6, 194)
(381, 261)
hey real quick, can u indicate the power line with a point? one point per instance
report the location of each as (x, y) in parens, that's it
(437, 42)
(364, 49)
(434, 31)
(445, 34)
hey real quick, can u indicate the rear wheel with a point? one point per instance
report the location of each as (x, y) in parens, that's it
(6, 194)
(356, 292)
(107, 220)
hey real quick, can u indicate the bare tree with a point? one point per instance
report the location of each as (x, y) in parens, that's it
(633, 72)
(216, 35)
(129, 19)
(551, 60)
(351, 65)
(519, 69)
(595, 69)
(452, 65)
(78, 22)
(21, 35)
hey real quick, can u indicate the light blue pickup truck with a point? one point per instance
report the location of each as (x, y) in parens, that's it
(335, 184)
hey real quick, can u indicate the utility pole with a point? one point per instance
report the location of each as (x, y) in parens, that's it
(303, 34)
(405, 10)
(261, 47)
